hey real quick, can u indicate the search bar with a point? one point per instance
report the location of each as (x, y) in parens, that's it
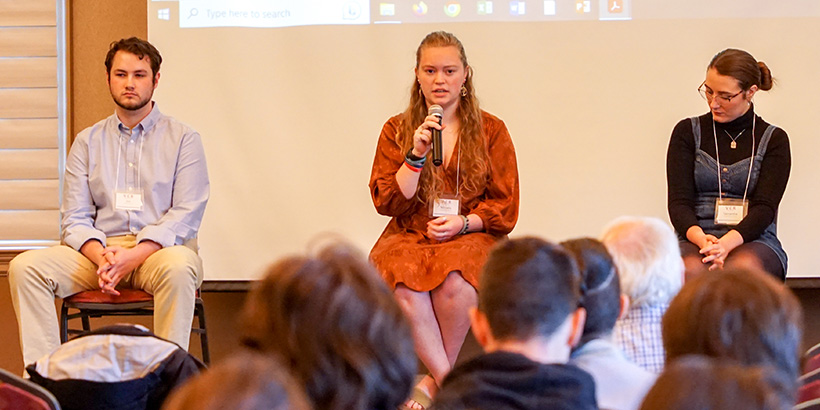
(267, 13)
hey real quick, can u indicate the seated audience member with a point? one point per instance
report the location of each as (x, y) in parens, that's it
(647, 256)
(620, 384)
(527, 321)
(247, 381)
(334, 323)
(697, 382)
(744, 315)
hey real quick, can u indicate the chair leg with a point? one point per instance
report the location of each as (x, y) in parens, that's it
(86, 322)
(199, 309)
(63, 323)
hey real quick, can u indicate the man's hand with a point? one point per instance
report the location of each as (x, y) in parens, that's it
(122, 261)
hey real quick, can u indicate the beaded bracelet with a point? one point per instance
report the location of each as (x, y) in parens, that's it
(466, 225)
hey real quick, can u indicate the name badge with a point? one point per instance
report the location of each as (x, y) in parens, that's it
(730, 211)
(128, 200)
(445, 205)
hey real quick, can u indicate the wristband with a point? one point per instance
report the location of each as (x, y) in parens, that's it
(411, 166)
(414, 158)
(413, 162)
(466, 225)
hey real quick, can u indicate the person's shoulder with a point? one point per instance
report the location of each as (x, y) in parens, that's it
(97, 129)
(779, 135)
(684, 126)
(493, 126)
(486, 116)
(390, 129)
(174, 125)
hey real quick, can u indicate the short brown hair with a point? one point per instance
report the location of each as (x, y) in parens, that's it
(743, 315)
(741, 66)
(334, 322)
(528, 288)
(246, 381)
(137, 47)
(698, 382)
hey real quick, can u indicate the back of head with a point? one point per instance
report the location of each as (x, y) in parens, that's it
(332, 319)
(747, 316)
(528, 288)
(741, 66)
(247, 381)
(647, 255)
(697, 382)
(600, 286)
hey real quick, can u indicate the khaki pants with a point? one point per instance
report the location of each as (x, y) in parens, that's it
(171, 274)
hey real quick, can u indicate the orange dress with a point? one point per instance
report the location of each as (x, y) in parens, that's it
(404, 253)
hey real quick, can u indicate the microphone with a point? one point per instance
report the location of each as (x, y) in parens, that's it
(436, 110)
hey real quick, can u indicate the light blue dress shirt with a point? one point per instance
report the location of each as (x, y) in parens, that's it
(160, 157)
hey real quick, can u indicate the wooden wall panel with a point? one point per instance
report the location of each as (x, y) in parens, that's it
(36, 194)
(28, 42)
(94, 25)
(28, 103)
(28, 13)
(24, 225)
(29, 133)
(28, 72)
(29, 164)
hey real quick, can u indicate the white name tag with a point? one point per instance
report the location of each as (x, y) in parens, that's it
(445, 205)
(128, 200)
(730, 211)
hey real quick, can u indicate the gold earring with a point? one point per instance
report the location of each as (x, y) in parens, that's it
(463, 90)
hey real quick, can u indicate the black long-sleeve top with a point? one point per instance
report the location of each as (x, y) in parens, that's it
(680, 168)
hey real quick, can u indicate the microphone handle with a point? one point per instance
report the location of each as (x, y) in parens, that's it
(437, 150)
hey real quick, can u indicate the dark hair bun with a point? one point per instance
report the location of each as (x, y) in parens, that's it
(766, 80)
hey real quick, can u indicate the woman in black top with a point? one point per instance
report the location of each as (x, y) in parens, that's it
(726, 173)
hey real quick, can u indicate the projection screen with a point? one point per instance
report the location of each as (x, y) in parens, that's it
(290, 97)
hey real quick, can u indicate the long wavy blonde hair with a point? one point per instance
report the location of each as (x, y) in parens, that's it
(474, 167)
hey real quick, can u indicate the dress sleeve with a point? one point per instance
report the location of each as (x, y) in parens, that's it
(384, 188)
(680, 177)
(498, 208)
(774, 174)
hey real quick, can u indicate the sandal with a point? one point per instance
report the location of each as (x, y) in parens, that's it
(419, 400)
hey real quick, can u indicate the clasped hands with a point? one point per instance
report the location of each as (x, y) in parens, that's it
(444, 227)
(115, 262)
(714, 252)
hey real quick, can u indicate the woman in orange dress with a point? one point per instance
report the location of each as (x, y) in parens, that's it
(433, 262)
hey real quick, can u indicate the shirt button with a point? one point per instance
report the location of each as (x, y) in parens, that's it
(133, 230)
(725, 169)
(725, 181)
(130, 164)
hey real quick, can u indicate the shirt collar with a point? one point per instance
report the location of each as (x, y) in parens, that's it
(146, 124)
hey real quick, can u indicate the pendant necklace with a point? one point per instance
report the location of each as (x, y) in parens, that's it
(733, 145)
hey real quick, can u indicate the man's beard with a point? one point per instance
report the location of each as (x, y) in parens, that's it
(131, 105)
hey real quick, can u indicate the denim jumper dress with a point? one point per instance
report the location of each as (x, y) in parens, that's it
(733, 184)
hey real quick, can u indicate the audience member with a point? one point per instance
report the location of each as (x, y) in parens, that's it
(334, 322)
(247, 381)
(620, 384)
(647, 256)
(697, 382)
(744, 315)
(527, 321)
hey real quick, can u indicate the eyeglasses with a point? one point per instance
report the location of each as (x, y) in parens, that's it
(709, 95)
